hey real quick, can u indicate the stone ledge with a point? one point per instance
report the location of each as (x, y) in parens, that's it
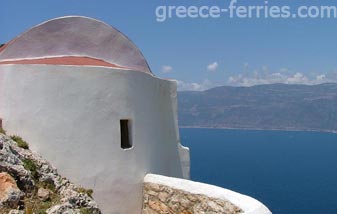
(178, 196)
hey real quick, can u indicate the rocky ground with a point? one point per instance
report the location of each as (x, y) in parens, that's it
(30, 185)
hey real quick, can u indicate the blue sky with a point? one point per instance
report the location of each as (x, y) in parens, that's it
(203, 53)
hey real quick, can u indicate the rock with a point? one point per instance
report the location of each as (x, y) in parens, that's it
(163, 199)
(62, 209)
(10, 162)
(186, 212)
(16, 212)
(13, 161)
(43, 194)
(152, 193)
(10, 194)
(185, 203)
(215, 207)
(158, 206)
(163, 196)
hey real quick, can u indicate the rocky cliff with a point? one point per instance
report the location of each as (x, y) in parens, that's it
(29, 184)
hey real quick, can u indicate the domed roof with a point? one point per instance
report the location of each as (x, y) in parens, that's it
(77, 38)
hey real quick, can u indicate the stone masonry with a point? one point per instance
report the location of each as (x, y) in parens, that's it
(161, 199)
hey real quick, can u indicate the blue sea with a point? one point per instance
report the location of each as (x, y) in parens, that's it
(290, 172)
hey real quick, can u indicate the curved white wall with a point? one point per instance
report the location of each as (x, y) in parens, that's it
(71, 116)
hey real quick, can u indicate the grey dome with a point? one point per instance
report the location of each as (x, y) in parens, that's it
(76, 36)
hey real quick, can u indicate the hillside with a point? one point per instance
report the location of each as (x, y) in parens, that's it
(29, 184)
(275, 106)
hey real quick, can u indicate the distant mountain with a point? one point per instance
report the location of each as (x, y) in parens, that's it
(275, 106)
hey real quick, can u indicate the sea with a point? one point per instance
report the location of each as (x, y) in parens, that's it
(291, 172)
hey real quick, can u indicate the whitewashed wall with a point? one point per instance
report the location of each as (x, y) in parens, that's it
(71, 116)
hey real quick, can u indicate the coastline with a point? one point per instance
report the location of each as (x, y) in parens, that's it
(260, 129)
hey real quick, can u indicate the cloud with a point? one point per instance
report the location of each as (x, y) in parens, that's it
(320, 77)
(263, 75)
(256, 78)
(298, 78)
(166, 69)
(260, 76)
(284, 75)
(193, 86)
(213, 66)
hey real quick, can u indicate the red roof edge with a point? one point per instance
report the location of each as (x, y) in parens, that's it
(63, 60)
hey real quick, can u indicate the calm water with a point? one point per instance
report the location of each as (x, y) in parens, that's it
(290, 172)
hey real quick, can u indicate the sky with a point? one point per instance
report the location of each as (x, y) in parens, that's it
(201, 53)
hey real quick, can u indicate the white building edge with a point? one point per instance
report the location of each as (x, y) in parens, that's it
(84, 97)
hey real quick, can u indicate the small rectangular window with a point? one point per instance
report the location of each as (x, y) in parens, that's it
(125, 134)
